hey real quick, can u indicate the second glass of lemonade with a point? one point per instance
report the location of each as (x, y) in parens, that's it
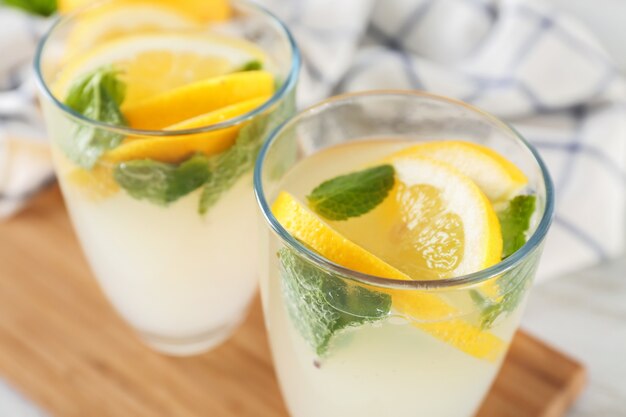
(404, 233)
(156, 112)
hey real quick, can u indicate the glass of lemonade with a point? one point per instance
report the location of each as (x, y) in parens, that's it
(404, 234)
(156, 111)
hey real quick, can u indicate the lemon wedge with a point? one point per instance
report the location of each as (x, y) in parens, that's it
(496, 176)
(198, 98)
(118, 19)
(177, 148)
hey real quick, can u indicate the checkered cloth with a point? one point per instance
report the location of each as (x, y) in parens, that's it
(518, 59)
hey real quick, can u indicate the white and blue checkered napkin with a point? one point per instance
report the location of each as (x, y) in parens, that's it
(517, 59)
(25, 165)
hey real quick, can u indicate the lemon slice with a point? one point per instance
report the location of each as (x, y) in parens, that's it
(434, 314)
(198, 98)
(201, 10)
(435, 223)
(118, 19)
(177, 148)
(496, 176)
(154, 63)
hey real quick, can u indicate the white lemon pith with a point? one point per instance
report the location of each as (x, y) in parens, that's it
(495, 175)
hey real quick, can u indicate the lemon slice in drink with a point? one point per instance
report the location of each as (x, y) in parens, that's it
(496, 176)
(151, 64)
(198, 98)
(177, 148)
(202, 10)
(436, 223)
(118, 19)
(421, 184)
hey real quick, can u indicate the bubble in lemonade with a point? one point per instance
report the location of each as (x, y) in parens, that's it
(167, 219)
(404, 211)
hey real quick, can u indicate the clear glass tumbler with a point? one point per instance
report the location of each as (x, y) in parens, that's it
(436, 350)
(162, 202)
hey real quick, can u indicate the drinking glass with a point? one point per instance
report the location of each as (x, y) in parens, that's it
(180, 270)
(437, 351)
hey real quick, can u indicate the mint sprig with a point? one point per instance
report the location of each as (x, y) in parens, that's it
(352, 195)
(162, 183)
(513, 287)
(97, 96)
(229, 166)
(39, 7)
(321, 304)
(252, 65)
(515, 222)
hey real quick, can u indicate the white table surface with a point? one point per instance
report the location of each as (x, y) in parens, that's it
(583, 314)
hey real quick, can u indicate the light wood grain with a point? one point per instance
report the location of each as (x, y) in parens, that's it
(64, 347)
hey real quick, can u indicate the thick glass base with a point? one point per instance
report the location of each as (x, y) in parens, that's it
(192, 345)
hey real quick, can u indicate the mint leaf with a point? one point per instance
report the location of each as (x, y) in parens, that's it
(513, 286)
(160, 182)
(253, 65)
(239, 159)
(97, 96)
(352, 195)
(40, 7)
(321, 304)
(515, 221)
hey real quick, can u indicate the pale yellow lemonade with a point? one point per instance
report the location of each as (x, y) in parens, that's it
(166, 222)
(424, 353)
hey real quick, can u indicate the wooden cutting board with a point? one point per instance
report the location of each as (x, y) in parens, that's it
(63, 346)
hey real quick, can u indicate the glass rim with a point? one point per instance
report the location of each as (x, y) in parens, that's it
(432, 284)
(284, 89)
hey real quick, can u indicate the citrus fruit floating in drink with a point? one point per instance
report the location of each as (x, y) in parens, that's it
(157, 111)
(398, 266)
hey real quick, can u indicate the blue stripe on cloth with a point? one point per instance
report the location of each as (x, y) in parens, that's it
(564, 178)
(488, 8)
(314, 71)
(365, 63)
(582, 237)
(414, 18)
(537, 105)
(581, 148)
(410, 71)
(483, 85)
(595, 54)
(385, 39)
(407, 63)
(544, 24)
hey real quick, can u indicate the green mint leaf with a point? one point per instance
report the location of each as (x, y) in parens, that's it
(321, 304)
(162, 183)
(515, 221)
(97, 96)
(513, 287)
(352, 195)
(229, 166)
(253, 65)
(40, 7)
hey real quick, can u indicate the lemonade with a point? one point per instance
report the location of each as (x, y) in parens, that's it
(399, 269)
(156, 112)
